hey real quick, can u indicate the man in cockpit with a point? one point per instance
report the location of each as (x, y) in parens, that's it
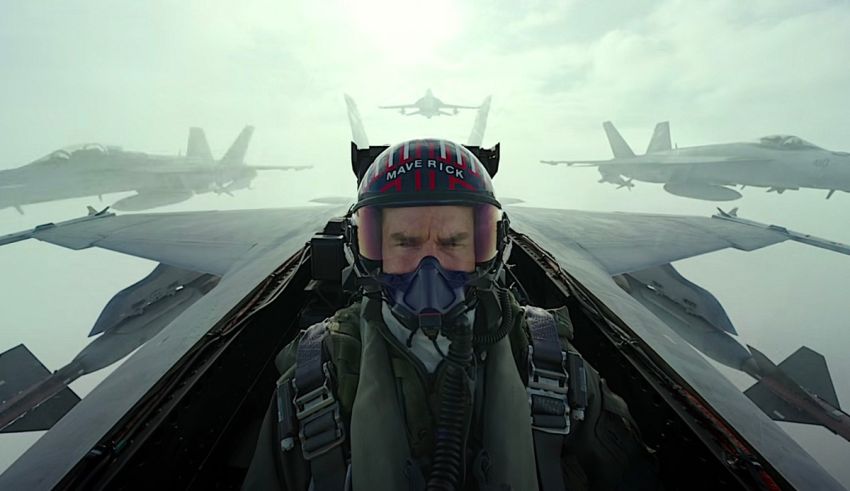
(437, 378)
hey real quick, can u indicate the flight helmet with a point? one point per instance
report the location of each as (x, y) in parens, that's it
(427, 172)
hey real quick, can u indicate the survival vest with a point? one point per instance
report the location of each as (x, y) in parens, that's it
(316, 396)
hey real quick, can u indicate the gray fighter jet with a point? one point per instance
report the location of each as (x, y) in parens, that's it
(429, 106)
(708, 172)
(361, 139)
(158, 180)
(188, 402)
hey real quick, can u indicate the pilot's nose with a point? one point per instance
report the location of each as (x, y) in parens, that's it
(430, 249)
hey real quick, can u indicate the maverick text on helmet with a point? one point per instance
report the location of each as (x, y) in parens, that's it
(425, 172)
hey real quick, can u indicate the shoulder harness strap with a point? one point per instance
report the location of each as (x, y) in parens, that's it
(307, 403)
(551, 391)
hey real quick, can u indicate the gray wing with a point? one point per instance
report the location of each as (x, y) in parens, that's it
(457, 106)
(207, 242)
(593, 246)
(626, 242)
(654, 160)
(243, 246)
(212, 170)
(279, 167)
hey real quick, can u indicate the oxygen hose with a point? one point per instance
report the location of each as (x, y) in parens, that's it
(449, 448)
(494, 337)
(448, 451)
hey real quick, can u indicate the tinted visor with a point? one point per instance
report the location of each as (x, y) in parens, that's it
(371, 231)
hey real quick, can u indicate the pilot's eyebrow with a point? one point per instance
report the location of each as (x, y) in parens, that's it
(454, 237)
(401, 236)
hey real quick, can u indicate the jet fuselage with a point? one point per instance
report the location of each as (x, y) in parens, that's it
(755, 165)
(112, 172)
(776, 162)
(92, 169)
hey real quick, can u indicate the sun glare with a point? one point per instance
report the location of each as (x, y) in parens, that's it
(407, 29)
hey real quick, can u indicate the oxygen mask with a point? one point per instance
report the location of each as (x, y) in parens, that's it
(430, 298)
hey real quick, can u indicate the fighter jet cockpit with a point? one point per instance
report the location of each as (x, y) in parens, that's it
(787, 142)
(75, 152)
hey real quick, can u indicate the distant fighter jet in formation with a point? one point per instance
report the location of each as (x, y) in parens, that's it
(158, 180)
(429, 106)
(778, 163)
(361, 140)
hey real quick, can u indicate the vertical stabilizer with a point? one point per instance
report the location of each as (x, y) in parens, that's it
(22, 374)
(660, 140)
(358, 132)
(619, 146)
(476, 136)
(808, 368)
(799, 390)
(236, 153)
(197, 147)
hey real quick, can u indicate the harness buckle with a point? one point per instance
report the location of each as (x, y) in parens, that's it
(547, 397)
(317, 411)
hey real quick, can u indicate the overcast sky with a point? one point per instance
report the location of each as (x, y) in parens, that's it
(139, 74)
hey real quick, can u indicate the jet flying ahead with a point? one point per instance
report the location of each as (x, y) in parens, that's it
(361, 139)
(777, 162)
(429, 106)
(158, 180)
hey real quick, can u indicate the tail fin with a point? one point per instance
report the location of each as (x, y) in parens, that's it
(619, 146)
(236, 153)
(358, 132)
(21, 371)
(804, 369)
(808, 368)
(197, 146)
(476, 136)
(660, 140)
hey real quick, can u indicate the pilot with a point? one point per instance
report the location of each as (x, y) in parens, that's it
(436, 378)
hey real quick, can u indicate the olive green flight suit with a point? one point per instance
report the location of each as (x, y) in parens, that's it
(389, 403)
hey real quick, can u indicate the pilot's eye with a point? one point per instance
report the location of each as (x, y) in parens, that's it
(453, 243)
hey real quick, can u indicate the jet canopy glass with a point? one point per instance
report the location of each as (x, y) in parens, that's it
(787, 142)
(75, 151)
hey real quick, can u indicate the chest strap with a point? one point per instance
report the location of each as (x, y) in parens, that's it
(308, 403)
(551, 390)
